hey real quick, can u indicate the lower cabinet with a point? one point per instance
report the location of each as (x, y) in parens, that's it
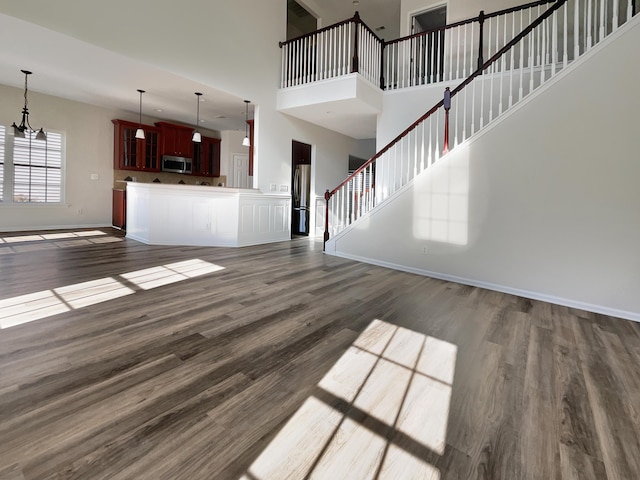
(119, 212)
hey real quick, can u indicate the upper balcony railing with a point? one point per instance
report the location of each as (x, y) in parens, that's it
(448, 53)
(340, 49)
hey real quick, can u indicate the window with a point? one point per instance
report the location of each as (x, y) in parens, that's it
(2, 163)
(31, 170)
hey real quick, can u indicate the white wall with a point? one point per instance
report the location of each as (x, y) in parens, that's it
(457, 10)
(543, 204)
(89, 149)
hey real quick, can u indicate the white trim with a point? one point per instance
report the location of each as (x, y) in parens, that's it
(55, 227)
(613, 312)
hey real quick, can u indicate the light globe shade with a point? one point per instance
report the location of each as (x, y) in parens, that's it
(196, 137)
(140, 134)
(246, 142)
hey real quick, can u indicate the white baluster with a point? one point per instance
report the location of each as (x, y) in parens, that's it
(455, 122)
(532, 54)
(589, 24)
(629, 10)
(464, 115)
(602, 19)
(614, 21)
(521, 58)
(489, 36)
(436, 153)
(430, 156)
(565, 34)
(554, 42)
(543, 53)
(450, 52)
(458, 29)
(576, 29)
(464, 51)
(422, 146)
(512, 66)
(473, 105)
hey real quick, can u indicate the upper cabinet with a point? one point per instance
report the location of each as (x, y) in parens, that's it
(175, 140)
(131, 153)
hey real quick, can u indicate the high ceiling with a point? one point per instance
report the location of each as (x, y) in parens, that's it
(70, 68)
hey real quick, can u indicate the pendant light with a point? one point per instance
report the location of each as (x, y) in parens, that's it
(140, 131)
(196, 134)
(25, 126)
(246, 142)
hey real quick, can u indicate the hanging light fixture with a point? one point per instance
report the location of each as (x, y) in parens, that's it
(25, 126)
(140, 131)
(196, 134)
(246, 142)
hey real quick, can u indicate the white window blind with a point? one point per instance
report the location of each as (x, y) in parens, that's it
(2, 162)
(37, 169)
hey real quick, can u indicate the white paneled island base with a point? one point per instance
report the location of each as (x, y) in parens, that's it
(163, 214)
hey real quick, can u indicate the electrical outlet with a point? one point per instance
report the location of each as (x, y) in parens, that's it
(284, 188)
(425, 250)
(273, 187)
(79, 211)
(95, 176)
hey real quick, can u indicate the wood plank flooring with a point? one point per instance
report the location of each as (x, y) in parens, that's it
(277, 361)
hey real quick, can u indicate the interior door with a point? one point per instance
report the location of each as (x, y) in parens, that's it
(240, 172)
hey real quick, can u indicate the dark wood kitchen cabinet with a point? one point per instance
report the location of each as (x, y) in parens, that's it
(131, 153)
(206, 157)
(175, 140)
(119, 209)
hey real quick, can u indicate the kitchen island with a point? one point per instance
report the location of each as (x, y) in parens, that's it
(167, 214)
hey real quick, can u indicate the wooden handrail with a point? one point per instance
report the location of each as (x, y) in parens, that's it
(454, 92)
(355, 19)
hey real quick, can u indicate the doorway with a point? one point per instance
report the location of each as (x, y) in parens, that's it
(429, 65)
(300, 188)
(240, 171)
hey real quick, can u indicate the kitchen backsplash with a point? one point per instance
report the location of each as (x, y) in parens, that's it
(165, 177)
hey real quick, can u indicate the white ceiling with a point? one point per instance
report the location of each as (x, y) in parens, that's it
(70, 68)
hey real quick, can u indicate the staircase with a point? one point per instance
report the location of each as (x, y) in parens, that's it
(526, 47)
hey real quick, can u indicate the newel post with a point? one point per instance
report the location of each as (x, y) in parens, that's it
(355, 61)
(447, 106)
(327, 196)
(481, 39)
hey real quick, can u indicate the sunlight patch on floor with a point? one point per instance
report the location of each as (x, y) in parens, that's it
(382, 407)
(36, 306)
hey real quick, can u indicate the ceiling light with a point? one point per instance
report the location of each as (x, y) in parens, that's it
(140, 131)
(25, 126)
(246, 142)
(196, 134)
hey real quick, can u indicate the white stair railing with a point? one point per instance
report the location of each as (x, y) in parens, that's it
(454, 51)
(564, 32)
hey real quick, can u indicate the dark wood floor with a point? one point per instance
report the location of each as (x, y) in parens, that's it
(124, 378)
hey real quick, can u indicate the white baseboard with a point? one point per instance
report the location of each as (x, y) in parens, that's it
(567, 302)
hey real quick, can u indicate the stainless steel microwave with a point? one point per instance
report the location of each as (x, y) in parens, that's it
(176, 164)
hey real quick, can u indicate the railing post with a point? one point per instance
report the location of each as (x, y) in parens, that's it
(327, 196)
(481, 39)
(355, 61)
(447, 106)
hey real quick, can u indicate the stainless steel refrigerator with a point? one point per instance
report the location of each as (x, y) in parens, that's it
(301, 198)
